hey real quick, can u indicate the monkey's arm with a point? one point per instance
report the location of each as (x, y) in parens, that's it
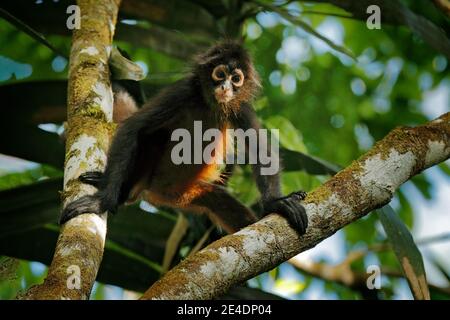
(114, 184)
(269, 184)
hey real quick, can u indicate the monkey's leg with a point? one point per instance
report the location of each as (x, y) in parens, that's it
(224, 210)
(225, 175)
(269, 184)
(128, 146)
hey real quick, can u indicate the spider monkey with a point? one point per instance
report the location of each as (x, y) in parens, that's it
(219, 92)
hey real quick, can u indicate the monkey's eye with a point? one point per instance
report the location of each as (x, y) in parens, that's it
(237, 78)
(219, 73)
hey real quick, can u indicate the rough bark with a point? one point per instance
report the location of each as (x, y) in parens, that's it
(89, 115)
(365, 185)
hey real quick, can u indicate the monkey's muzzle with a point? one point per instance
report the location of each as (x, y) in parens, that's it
(224, 92)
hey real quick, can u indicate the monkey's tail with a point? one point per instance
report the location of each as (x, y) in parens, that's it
(91, 177)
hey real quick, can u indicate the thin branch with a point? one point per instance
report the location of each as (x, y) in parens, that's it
(174, 240)
(343, 274)
(305, 26)
(202, 241)
(424, 241)
(30, 31)
(319, 13)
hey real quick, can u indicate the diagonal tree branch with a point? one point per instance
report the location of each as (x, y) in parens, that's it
(365, 185)
(79, 249)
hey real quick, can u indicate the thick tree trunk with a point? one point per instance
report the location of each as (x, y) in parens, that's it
(365, 185)
(79, 249)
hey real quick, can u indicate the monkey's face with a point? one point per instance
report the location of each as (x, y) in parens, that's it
(227, 81)
(227, 76)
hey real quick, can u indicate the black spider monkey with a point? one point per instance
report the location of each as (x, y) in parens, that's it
(218, 92)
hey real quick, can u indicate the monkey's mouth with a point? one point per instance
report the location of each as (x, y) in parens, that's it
(223, 96)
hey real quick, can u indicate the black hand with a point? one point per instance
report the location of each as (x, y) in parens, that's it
(92, 177)
(297, 195)
(290, 208)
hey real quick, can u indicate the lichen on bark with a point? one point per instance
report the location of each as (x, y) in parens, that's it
(80, 245)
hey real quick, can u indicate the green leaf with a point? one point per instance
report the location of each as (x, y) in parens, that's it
(30, 206)
(289, 136)
(293, 150)
(289, 286)
(406, 251)
(30, 31)
(295, 161)
(445, 168)
(16, 179)
(405, 211)
(135, 241)
(136, 270)
(439, 293)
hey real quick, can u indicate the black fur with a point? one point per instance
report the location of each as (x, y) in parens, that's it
(119, 176)
(269, 185)
(290, 208)
(140, 140)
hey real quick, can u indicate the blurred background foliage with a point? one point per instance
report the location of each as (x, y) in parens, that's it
(331, 100)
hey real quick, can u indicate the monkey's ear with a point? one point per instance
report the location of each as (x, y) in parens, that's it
(206, 59)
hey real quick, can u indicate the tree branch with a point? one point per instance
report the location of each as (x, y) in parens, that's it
(365, 185)
(394, 12)
(343, 274)
(79, 249)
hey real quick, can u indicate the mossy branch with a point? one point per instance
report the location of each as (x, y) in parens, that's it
(368, 183)
(79, 249)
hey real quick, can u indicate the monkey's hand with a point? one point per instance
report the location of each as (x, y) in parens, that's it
(291, 209)
(85, 204)
(92, 177)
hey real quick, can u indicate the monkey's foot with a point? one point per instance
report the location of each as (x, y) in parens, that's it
(92, 177)
(291, 209)
(298, 195)
(86, 204)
